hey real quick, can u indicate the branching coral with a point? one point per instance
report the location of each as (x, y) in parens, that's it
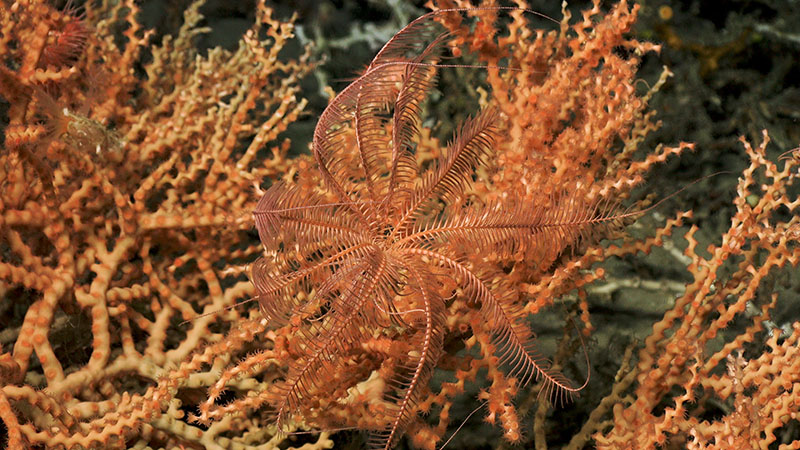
(130, 170)
(128, 173)
(691, 352)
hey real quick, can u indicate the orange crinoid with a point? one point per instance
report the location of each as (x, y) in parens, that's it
(376, 242)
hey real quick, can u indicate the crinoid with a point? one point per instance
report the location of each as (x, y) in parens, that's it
(375, 243)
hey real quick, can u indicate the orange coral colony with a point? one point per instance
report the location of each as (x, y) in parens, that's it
(396, 274)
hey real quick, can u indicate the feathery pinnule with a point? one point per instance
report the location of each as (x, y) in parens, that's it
(371, 246)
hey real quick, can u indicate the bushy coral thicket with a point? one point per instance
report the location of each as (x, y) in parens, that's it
(130, 170)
